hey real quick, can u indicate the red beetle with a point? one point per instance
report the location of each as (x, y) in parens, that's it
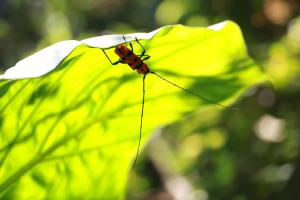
(127, 56)
(134, 61)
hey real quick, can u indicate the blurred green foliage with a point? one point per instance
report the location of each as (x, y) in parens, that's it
(249, 154)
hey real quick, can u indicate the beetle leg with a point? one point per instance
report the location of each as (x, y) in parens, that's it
(140, 44)
(143, 52)
(146, 57)
(113, 63)
(131, 47)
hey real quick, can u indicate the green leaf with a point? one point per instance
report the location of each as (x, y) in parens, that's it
(73, 133)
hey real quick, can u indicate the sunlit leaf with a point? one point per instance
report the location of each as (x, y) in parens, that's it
(73, 133)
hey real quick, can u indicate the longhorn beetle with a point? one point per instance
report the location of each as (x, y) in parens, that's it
(136, 62)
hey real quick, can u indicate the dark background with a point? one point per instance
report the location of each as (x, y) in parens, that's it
(249, 154)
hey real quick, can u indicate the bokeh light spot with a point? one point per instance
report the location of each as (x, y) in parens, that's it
(169, 12)
(270, 129)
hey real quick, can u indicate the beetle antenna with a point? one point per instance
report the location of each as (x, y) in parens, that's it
(191, 93)
(141, 122)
